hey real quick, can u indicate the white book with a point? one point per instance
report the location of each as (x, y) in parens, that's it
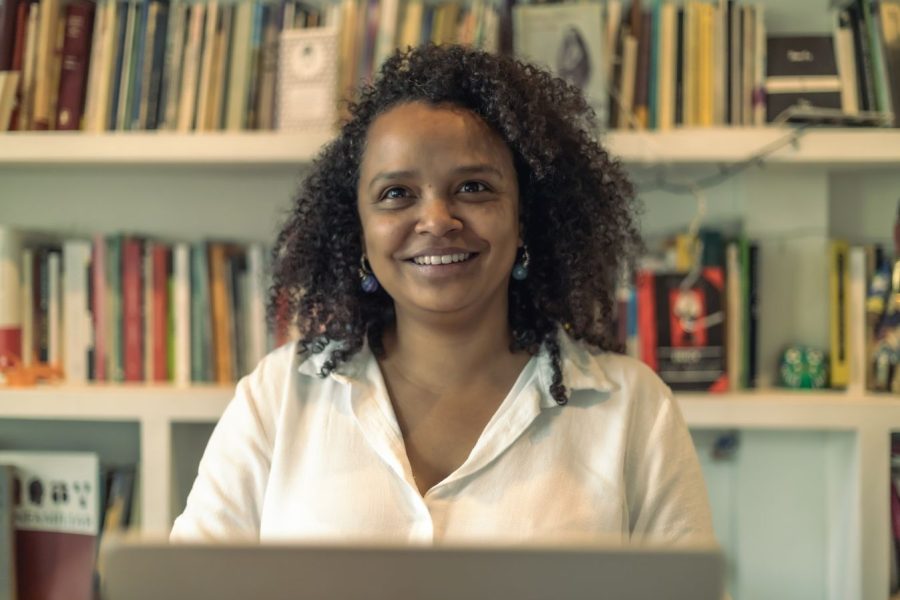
(240, 67)
(181, 307)
(256, 306)
(76, 315)
(846, 63)
(27, 300)
(10, 296)
(856, 321)
(107, 66)
(193, 47)
(29, 66)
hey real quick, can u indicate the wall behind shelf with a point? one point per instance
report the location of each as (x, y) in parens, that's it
(244, 203)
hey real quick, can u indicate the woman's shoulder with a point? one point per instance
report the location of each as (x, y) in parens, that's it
(603, 370)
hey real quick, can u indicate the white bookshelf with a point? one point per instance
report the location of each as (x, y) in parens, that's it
(821, 147)
(830, 448)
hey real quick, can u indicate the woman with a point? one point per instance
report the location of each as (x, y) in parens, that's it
(450, 262)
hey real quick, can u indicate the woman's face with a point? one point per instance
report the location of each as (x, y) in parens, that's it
(438, 200)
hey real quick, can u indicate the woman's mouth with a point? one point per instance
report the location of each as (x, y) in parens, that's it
(443, 259)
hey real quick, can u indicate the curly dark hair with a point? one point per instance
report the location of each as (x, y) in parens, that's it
(577, 210)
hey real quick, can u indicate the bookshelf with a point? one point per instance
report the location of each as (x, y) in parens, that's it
(828, 147)
(801, 509)
(809, 466)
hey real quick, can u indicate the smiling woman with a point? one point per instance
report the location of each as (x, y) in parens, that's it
(450, 264)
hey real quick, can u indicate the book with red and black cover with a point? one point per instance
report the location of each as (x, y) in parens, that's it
(682, 328)
(56, 520)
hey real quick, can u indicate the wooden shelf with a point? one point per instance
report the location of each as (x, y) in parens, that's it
(770, 409)
(832, 147)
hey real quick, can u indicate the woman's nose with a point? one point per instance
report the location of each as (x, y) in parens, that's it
(437, 217)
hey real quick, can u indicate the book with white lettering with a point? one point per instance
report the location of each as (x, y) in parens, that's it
(56, 516)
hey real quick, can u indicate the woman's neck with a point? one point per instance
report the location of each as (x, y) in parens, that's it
(440, 355)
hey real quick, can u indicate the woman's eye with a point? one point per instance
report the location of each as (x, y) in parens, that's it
(394, 193)
(473, 187)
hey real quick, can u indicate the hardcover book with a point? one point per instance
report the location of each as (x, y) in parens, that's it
(801, 70)
(682, 328)
(567, 39)
(56, 519)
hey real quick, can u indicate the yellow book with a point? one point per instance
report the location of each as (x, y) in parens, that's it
(412, 24)
(44, 48)
(705, 80)
(839, 285)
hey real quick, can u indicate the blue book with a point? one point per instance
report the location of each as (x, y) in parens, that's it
(133, 110)
(157, 64)
(114, 91)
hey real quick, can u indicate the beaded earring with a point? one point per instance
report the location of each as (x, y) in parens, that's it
(520, 269)
(366, 278)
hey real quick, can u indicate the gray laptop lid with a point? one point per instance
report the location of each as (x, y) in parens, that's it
(139, 570)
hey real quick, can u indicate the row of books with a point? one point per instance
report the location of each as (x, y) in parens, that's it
(702, 64)
(124, 308)
(695, 320)
(54, 507)
(178, 65)
(691, 313)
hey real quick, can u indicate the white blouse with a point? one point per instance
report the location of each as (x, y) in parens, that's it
(297, 457)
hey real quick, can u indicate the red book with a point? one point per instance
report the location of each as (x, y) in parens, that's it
(75, 55)
(160, 312)
(132, 308)
(99, 312)
(9, 10)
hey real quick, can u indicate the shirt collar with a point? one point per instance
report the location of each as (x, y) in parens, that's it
(581, 369)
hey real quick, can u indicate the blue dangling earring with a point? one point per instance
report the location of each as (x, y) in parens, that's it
(520, 270)
(366, 279)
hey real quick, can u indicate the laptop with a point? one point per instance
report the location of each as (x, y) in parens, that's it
(137, 569)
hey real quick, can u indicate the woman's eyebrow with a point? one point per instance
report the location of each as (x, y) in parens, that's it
(390, 175)
(461, 170)
(477, 168)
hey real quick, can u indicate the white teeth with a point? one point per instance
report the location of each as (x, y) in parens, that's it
(444, 259)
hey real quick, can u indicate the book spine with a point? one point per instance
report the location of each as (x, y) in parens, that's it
(838, 283)
(221, 314)
(132, 309)
(181, 309)
(156, 66)
(10, 295)
(160, 312)
(26, 301)
(99, 314)
(9, 10)
(75, 54)
(76, 314)
(54, 309)
(115, 323)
